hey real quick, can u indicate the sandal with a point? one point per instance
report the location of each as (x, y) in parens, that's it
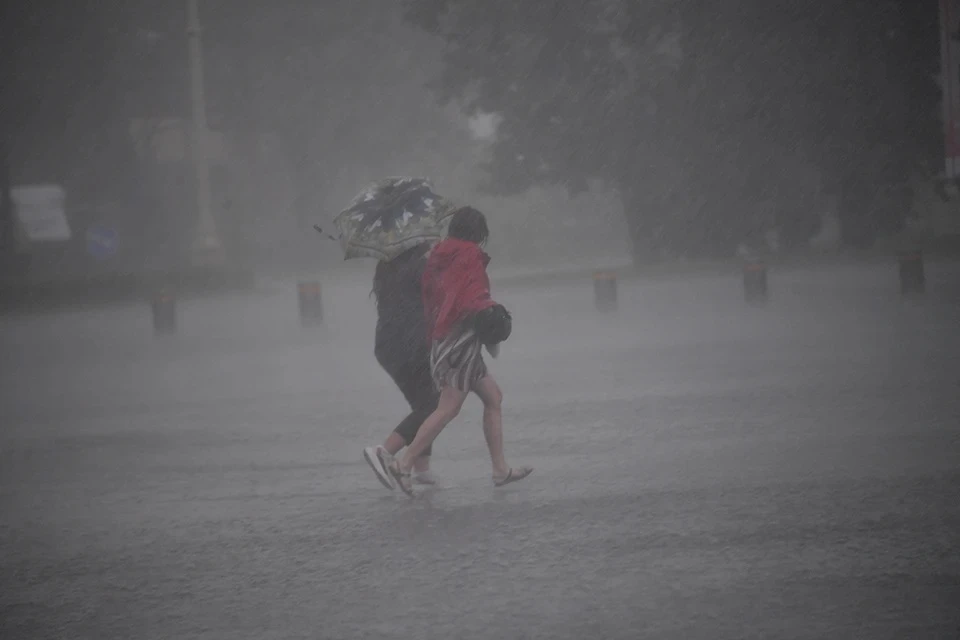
(513, 475)
(402, 478)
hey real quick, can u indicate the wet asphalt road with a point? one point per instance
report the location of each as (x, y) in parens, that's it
(703, 470)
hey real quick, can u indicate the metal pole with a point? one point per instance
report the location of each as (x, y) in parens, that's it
(947, 73)
(7, 127)
(6, 204)
(207, 247)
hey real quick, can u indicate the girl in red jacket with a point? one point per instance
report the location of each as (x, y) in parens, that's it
(455, 289)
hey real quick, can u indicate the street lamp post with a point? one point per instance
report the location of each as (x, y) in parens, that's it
(207, 248)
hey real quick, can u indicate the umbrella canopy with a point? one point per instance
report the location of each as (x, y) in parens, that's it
(391, 216)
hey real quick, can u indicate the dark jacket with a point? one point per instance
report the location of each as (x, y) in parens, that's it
(401, 337)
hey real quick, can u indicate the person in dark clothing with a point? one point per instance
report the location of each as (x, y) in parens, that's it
(401, 348)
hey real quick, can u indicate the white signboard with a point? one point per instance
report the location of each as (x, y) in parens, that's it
(40, 211)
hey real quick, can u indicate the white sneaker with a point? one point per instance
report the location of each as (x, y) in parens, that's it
(378, 458)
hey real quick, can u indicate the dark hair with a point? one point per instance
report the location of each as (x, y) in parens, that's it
(468, 224)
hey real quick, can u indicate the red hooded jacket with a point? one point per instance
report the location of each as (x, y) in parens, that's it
(455, 285)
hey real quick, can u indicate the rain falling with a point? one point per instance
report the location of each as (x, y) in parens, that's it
(480, 319)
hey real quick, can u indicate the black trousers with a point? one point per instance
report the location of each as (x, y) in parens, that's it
(412, 377)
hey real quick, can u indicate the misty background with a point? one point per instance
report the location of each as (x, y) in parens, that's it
(307, 102)
(590, 131)
(717, 454)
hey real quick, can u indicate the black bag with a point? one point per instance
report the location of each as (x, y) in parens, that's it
(493, 325)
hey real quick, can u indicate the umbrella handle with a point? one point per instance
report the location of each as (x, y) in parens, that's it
(320, 231)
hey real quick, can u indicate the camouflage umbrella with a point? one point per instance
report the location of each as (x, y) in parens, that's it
(391, 216)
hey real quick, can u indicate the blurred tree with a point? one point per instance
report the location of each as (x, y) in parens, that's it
(75, 76)
(698, 117)
(887, 128)
(338, 83)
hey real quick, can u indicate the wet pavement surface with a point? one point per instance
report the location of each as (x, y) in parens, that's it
(704, 469)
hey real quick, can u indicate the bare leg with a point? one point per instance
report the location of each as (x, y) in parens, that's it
(393, 443)
(451, 400)
(492, 398)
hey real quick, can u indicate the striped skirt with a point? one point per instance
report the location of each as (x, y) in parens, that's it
(456, 360)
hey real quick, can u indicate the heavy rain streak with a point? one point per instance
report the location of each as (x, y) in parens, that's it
(491, 319)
